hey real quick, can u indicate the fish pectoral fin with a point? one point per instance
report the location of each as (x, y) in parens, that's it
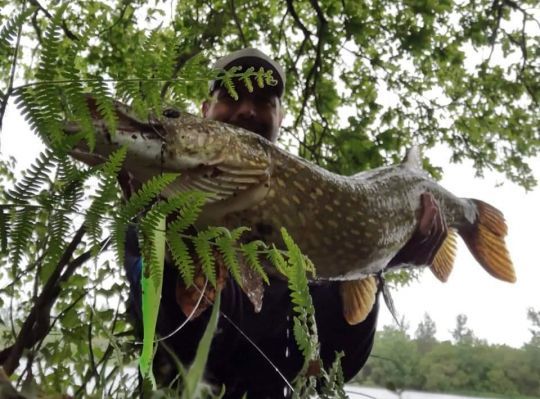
(358, 297)
(443, 263)
(485, 240)
(218, 183)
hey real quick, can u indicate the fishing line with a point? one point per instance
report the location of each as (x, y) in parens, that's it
(242, 333)
(258, 350)
(201, 296)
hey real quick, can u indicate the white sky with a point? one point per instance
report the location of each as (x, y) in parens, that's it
(496, 310)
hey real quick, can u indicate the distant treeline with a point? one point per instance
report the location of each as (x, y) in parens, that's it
(464, 365)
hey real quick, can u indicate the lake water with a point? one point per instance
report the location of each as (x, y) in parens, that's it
(357, 392)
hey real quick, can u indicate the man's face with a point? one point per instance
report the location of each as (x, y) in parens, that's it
(259, 111)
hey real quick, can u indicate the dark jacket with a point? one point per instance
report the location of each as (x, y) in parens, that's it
(234, 361)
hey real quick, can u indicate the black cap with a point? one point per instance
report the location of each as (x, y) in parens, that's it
(251, 57)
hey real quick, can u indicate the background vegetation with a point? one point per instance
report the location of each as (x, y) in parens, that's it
(466, 365)
(365, 80)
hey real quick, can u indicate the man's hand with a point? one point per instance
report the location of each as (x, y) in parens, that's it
(428, 237)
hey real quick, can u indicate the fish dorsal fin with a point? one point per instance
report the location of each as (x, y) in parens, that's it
(444, 259)
(413, 158)
(358, 297)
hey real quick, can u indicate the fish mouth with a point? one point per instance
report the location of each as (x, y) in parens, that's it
(127, 124)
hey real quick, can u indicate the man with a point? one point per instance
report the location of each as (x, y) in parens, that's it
(256, 352)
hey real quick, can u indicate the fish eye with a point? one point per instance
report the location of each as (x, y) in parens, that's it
(171, 113)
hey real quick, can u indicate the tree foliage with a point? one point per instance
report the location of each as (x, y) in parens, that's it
(465, 367)
(364, 81)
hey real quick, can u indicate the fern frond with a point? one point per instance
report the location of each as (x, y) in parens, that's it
(228, 83)
(189, 212)
(277, 260)
(51, 46)
(205, 254)
(33, 178)
(305, 327)
(21, 231)
(105, 193)
(259, 77)
(4, 230)
(334, 380)
(77, 107)
(246, 78)
(128, 91)
(181, 257)
(58, 227)
(250, 252)
(235, 234)
(47, 95)
(9, 31)
(226, 247)
(149, 191)
(301, 336)
(72, 179)
(298, 282)
(101, 93)
(152, 228)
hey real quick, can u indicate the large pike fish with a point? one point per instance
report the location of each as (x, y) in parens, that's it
(349, 226)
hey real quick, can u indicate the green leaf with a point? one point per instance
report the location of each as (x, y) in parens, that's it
(151, 281)
(196, 371)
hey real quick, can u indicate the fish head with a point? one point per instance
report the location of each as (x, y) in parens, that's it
(142, 138)
(174, 141)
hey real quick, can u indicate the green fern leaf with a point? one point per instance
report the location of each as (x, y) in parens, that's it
(47, 95)
(250, 252)
(148, 192)
(106, 192)
(21, 231)
(33, 179)
(269, 78)
(104, 102)
(206, 256)
(189, 212)
(58, 228)
(246, 78)
(259, 77)
(228, 83)
(4, 229)
(9, 32)
(237, 233)
(77, 107)
(334, 380)
(47, 68)
(301, 337)
(181, 257)
(225, 245)
(277, 260)
(135, 207)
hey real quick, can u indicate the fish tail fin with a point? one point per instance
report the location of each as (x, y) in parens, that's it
(358, 297)
(485, 240)
(443, 262)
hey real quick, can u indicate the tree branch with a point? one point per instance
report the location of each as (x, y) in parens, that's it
(36, 325)
(237, 23)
